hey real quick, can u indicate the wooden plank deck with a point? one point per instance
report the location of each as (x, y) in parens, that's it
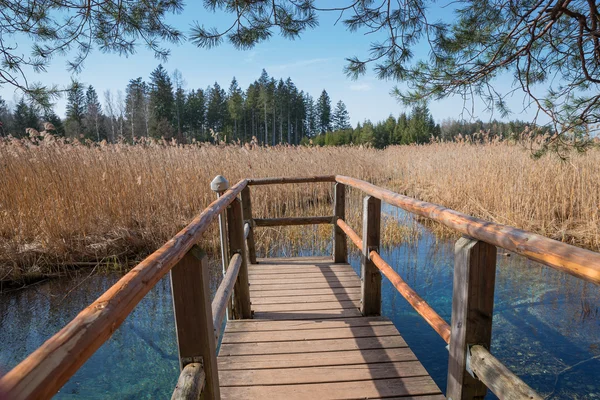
(308, 339)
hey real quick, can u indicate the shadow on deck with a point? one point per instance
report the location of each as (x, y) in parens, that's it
(308, 339)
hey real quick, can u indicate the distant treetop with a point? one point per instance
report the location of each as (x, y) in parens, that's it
(551, 48)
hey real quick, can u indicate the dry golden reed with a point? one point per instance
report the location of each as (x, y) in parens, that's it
(64, 203)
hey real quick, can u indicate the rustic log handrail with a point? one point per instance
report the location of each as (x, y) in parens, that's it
(584, 264)
(420, 305)
(190, 383)
(49, 367)
(289, 221)
(280, 180)
(499, 379)
(224, 292)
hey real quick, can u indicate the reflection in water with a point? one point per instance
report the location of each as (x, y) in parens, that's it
(545, 329)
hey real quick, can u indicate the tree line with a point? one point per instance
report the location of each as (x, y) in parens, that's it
(418, 126)
(269, 112)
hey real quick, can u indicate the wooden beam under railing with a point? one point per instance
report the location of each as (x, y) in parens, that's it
(283, 180)
(289, 221)
(224, 292)
(413, 298)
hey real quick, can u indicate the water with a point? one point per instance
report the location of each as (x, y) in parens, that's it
(546, 326)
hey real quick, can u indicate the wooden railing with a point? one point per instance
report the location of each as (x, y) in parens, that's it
(471, 370)
(48, 368)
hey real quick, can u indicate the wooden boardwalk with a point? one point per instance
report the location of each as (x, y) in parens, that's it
(304, 328)
(309, 340)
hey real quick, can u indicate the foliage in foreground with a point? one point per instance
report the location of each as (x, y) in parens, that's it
(550, 49)
(65, 203)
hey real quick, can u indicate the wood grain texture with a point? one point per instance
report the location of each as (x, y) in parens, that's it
(304, 292)
(344, 373)
(49, 367)
(247, 212)
(311, 346)
(340, 245)
(370, 275)
(193, 318)
(289, 221)
(280, 180)
(306, 273)
(309, 315)
(472, 312)
(289, 261)
(241, 291)
(336, 390)
(499, 379)
(309, 339)
(416, 301)
(311, 334)
(304, 306)
(425, 310)
(304, 278)
(584, 264)
(190, 383)
(266, 325)
(224, 292)
(325, 298)
(300, 269)
(331, 284)
(351, 233)
(343, 358)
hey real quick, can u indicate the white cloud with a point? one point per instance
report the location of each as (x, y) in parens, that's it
(360, 87)
(251, 56)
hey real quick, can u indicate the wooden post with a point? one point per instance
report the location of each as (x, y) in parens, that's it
(190, 383)
(193, 317)
(370, 275)
(241, 289)
(247, 211)
(472, 312)
(340, 246)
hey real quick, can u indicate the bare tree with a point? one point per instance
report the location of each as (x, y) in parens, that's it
(109, 106)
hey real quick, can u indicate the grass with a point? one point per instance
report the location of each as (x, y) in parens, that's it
(66, 204)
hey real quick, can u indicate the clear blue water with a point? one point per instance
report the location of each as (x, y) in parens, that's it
(546, 326)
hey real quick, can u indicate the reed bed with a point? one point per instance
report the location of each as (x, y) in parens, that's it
(65, 204)
(503, 183)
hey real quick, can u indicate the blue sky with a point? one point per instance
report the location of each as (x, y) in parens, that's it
(314, 62)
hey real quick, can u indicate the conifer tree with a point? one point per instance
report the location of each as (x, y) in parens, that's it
(216, 110)
(5, 117)
(92, 112)
(194, 119)
(75, 110)
(162, 104)
(235, 103)
(25, 116)
(341, 117)
(136, 102)
(324, 112)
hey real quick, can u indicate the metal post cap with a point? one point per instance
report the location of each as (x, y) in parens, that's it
(219, 184)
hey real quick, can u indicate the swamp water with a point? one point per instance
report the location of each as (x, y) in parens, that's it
(546, 325)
